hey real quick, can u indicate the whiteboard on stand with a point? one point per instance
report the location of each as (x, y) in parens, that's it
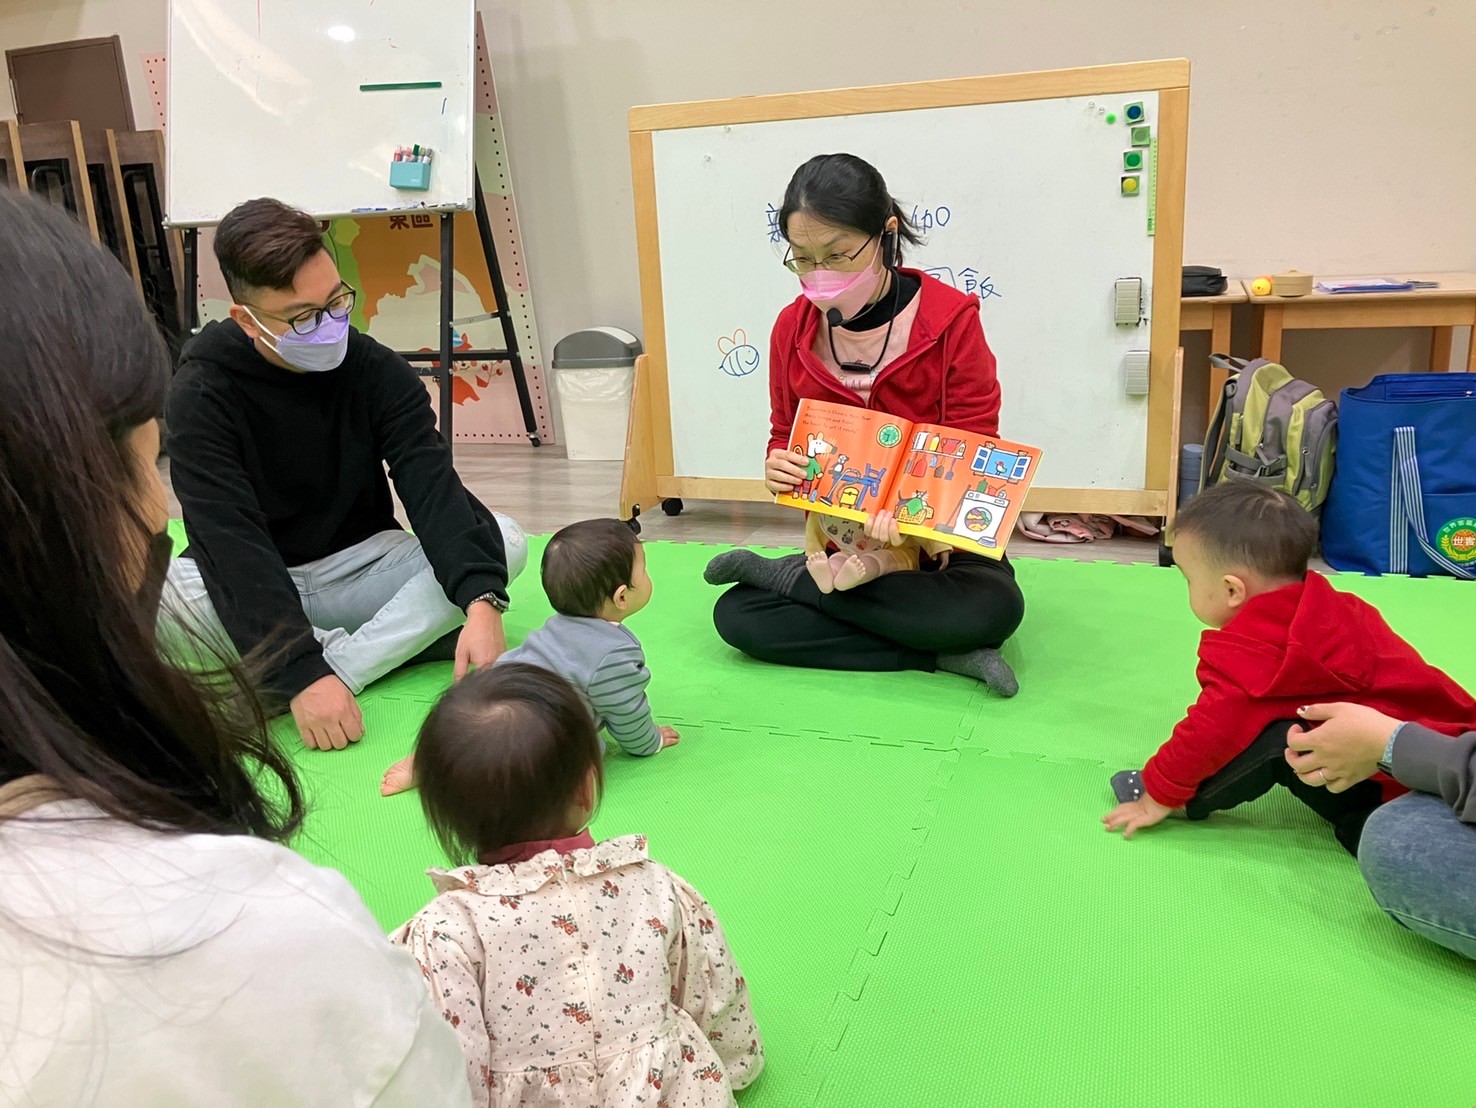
(265, 100)
(1016, 183)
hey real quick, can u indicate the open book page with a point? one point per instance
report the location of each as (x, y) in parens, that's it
(961, 488)
(849, 455)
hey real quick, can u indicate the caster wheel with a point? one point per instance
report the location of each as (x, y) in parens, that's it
(1165, 556)
(672, 505)
(634, 522)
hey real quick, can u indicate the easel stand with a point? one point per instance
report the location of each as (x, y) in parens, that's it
(441, 364)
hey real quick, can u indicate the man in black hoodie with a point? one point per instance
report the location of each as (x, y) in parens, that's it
(281, 421)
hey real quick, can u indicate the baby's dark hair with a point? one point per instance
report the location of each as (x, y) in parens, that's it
(501, 758)
(846, 191)
(585, 563)
(1252, 526)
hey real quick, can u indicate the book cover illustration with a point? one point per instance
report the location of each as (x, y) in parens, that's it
(957, 487)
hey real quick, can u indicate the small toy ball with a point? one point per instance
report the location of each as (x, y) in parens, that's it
(1261, 286)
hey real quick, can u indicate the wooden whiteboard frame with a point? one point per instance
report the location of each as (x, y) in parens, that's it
(649, 473)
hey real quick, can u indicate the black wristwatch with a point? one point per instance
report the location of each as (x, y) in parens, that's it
(491, 598)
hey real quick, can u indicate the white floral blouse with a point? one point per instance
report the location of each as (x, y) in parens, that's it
(589, 976)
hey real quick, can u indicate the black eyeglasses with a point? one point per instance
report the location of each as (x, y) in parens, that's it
(305, 323)
(833, 261)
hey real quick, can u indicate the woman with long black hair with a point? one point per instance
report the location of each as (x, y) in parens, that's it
(157, 944)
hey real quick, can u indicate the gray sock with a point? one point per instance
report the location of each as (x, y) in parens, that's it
(744, 567)
(985, 665)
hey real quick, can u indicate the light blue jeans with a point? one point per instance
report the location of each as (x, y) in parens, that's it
(1420, 864)
(373, 606)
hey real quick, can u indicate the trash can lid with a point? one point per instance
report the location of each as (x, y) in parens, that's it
(596, 348)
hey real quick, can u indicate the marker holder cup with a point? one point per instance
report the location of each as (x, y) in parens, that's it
(411, 176)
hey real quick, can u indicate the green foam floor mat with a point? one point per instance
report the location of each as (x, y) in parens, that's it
(802, 846)
(1035, 959)
(916, 884)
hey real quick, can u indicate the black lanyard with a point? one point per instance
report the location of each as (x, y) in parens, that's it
(862, 367)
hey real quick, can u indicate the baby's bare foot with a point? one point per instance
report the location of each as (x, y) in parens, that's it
(819, 566)
(399, 778)
(858, 569)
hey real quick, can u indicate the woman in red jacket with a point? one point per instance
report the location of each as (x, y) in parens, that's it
(868, 332)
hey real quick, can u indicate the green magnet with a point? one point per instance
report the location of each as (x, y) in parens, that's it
(1111, 118)
(1132, 160)
(1142, 136)
(1133, 113)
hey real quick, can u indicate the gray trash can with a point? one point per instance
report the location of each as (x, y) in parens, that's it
(593, 373)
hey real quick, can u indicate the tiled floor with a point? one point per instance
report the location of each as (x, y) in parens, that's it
(543, 490)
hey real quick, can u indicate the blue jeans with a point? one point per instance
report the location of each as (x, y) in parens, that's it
(1420, 864)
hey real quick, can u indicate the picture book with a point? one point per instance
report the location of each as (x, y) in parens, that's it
(952, 486)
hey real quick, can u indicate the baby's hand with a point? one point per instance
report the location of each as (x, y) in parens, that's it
(1135, 815)
(883, 527)
(669, 737)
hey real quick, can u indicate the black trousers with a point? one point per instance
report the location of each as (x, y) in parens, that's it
(1262, 766)
(900, 621)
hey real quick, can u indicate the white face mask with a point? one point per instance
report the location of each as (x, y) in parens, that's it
(322, 350)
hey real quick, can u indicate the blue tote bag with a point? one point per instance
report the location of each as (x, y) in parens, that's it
(1403, 497)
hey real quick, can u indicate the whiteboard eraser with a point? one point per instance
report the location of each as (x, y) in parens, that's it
(1135, 372)
(1128, 301)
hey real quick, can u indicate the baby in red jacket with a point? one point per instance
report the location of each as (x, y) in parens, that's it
(1280, 637)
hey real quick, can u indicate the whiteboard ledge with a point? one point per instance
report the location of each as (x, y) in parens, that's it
(1097, 80)
(408, 209)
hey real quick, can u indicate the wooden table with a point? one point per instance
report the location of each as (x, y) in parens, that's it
(1212, 314)
(1442, 309)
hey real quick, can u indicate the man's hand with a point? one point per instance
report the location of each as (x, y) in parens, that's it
(327, 716)
(669, 737)
(482, 640)
(1343, 749)
(1136, 815)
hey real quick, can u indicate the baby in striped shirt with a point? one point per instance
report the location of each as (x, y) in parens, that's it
(594, 573)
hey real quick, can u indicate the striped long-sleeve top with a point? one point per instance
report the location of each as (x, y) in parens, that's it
(604, 661)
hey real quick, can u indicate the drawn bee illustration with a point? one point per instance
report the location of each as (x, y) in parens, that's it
(740, 358)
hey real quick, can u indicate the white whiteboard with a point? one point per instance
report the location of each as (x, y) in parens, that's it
(264, 100)
(1022, 204)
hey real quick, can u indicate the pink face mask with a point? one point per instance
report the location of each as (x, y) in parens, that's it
(846, 293)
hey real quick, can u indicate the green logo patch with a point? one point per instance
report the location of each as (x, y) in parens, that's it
(1457, 540)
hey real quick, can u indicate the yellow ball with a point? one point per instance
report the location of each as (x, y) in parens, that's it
(1261, 286)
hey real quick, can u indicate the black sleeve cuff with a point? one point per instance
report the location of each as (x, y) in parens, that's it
(473, 588)
(285, 683)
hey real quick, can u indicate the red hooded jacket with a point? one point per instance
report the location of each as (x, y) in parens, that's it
(1302, 644)
(946, 374)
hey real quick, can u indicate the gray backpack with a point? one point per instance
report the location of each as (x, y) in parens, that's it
(1271, 428)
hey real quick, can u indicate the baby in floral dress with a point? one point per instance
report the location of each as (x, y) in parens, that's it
(574, 972)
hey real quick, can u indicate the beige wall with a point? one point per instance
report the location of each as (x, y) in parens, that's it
(140, 24)
(1329, 136)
